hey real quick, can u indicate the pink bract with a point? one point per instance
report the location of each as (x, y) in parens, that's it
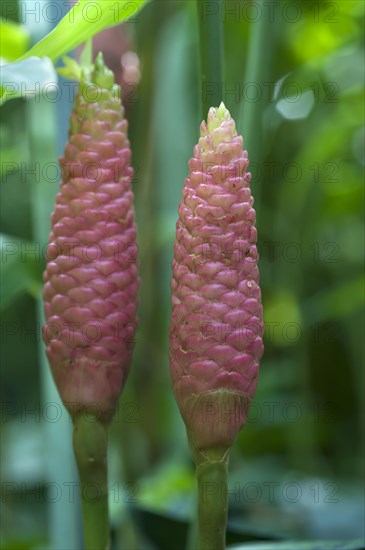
(91, 279)
(217, 321)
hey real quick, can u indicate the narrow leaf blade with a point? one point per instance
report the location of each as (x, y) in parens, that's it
(83, 21)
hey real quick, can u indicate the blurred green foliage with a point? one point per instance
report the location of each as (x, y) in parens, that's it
(306, 145)
(14, 40)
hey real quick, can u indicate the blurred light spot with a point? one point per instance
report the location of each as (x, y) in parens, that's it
(313, 37)
(296, 107)
(130, 67)
(282, 317)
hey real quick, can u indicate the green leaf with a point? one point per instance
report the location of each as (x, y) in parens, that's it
(14, 40)
(20, 544)
(9, 159)
(336, 303)
(20, 268)
(357, 544)
(27, 78)
(168, 487)
(83, 21)
(71, 68)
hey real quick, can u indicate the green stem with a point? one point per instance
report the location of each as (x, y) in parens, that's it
(90, 440)
(258, 61)
(213, 504)
(258, 69)
(211, 53)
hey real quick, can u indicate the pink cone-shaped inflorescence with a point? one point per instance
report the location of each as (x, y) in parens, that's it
(217, 324)
(91, 279)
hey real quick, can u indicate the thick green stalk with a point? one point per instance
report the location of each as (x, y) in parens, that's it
(90, 441)
(211, 53)
(213, 504)
(211, 473)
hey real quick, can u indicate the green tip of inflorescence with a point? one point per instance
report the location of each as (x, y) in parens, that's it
(102, 76)
(216, 116)
(88, 74)
(222, 112)
(220, 127)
